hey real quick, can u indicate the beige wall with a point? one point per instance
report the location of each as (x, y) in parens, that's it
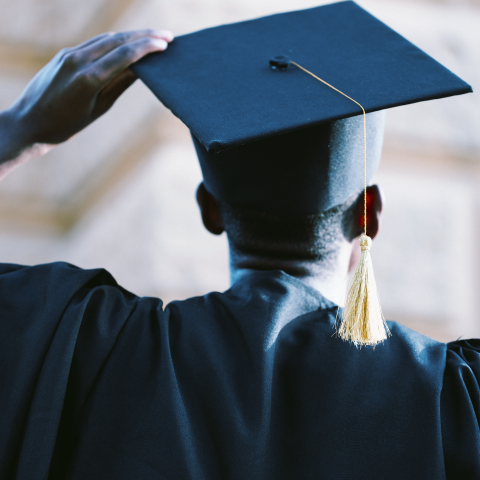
(121, 194)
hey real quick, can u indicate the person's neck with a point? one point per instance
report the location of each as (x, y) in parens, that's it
(328, 277)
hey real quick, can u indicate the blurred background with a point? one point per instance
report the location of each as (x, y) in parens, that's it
(121, 194)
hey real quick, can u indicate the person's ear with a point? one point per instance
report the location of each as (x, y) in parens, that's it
(211, 217)
(374, 213)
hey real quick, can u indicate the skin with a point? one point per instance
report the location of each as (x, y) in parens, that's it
(75, 88)
(330, 281)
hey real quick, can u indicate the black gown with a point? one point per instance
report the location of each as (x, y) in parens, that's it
(97, 383)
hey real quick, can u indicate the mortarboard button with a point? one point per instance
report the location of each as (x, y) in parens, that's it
(280, 62)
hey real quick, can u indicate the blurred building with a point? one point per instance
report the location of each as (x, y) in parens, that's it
(120, 195)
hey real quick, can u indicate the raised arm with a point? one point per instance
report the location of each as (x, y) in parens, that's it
(75, 88)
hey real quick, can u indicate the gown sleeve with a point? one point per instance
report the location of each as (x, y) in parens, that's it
(460, 410)
(41, 311)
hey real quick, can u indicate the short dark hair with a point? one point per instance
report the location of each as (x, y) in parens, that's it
(299, 237)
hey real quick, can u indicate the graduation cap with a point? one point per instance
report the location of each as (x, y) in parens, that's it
(280, 107)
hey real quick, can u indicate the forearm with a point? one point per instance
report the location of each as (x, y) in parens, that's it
(15, 146)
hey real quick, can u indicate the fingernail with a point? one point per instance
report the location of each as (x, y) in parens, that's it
(161, 44)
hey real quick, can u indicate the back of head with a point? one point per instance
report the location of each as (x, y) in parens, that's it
(308, 237)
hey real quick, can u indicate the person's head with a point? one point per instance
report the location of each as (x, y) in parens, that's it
(294, 202)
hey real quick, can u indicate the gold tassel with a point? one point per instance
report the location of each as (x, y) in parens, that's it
(362, 319)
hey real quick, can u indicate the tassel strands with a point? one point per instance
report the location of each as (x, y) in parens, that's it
(362, 320)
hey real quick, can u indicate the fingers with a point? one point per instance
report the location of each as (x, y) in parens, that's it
(117, 60)
(96, 62)
(65, 51)
(108, 43)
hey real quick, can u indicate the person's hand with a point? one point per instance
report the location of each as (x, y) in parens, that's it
(80, 84)
(75, 88)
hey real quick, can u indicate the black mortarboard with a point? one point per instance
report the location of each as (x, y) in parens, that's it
(274, 138)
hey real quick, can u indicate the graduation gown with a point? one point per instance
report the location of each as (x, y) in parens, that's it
(97, 383)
